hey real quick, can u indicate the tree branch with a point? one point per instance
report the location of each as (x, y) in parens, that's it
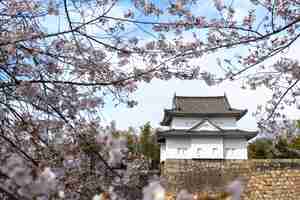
(269, 55)
(17, 148)
(281, 98)
(182, 24)
(9, 194)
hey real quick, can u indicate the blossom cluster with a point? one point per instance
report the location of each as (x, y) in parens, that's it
(27, 183)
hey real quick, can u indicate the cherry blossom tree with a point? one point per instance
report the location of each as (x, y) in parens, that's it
(61, 61)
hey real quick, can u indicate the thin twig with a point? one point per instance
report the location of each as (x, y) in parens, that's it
(12, 196)
(281, 98)
(17, 148)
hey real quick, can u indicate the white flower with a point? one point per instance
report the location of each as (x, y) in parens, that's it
(97, 197)
(208, 78)
(236, 189)
(52, 8)
(219, 4)
(61, 194)
(154, 191)
(184, 195)
(115, 157)
(48, 174)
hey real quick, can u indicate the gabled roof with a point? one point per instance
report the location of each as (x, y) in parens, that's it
(206, 106)
(212, 124)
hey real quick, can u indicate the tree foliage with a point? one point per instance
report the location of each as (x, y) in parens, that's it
(132, 140)
(295, 143)
(280, 148)
(148, 144)
(260, 149)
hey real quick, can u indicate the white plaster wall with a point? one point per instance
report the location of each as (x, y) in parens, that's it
(210, 148)
(204, 147)
(228, 123)
(182, 123)
(235, 148)
(186, 122)
(162, 152)
(206, 126)
(172, 145)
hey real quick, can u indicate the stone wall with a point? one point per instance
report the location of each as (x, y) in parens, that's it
(263, 179)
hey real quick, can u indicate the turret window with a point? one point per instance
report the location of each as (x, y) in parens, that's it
(214, 151)
(181, 151)
(199, 151)
(230, 151)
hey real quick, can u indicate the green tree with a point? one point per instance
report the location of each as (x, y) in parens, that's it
(145, 140)
(148, 143)
(298, 124)
(261, 149)
(132, 140)
(295, 143)
(285, 149)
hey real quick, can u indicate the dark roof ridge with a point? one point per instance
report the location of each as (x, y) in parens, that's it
(218, 96)
(228, 106)
(201, 106)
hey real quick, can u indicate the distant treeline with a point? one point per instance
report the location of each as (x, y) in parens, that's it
(281, 147)
(141, 143)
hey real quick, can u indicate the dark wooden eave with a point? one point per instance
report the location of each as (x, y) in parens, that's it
(228, 133)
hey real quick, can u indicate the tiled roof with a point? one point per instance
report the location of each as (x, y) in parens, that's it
(209, 106)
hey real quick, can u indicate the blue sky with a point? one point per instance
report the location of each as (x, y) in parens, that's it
(154, 97)
(157, 95)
